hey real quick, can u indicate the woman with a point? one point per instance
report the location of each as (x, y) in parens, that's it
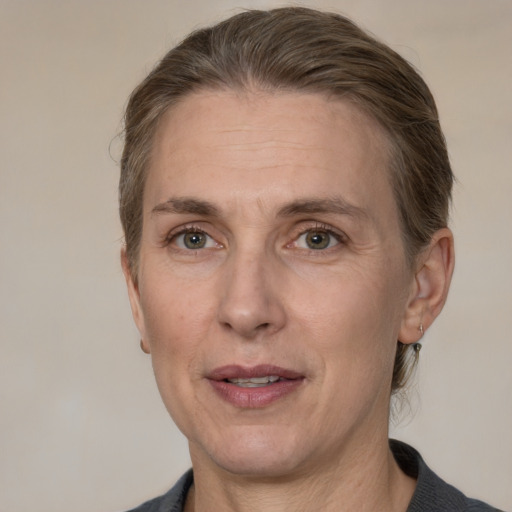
(284, 195)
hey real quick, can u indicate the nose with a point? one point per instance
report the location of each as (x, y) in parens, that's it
(250, 304)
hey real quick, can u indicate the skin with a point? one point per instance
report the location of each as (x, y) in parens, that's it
(263, 175)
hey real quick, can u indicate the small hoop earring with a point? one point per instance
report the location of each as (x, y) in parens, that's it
(421, 329)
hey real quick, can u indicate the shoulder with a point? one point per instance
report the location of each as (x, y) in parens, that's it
(171, 501)
(432, 493)
(479, 506)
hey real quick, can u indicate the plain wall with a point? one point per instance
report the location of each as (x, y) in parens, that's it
(82, 427)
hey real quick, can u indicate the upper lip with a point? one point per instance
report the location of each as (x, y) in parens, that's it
(234, 371)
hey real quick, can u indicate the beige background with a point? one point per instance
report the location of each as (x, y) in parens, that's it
(82, 427)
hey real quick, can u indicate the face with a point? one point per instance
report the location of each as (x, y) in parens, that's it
(272, 282)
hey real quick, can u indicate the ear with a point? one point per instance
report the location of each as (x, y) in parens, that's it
(134, 297)
(429, 288)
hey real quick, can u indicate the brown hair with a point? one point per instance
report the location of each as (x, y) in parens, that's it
(300, 49)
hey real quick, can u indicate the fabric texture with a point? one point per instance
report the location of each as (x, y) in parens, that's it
(432, 494)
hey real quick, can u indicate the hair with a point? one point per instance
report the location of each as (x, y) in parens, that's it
(298, 49)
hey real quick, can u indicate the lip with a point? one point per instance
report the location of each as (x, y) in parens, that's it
(258, 397)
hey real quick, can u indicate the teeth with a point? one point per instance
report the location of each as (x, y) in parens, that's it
(254, 382)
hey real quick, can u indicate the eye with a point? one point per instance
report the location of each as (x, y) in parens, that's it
(193, 239)
(317, 239)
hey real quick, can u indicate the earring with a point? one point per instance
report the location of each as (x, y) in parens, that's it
(417, 346)
(143, 348)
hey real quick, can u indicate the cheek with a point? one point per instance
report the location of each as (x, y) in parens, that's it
(352, 323)
(178, 319)
(177, 316)
(370, 300)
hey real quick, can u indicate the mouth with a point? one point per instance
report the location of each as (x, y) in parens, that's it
(254, 387)
(253, 376)
(255, 382)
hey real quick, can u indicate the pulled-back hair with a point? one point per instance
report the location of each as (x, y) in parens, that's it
(301, 50)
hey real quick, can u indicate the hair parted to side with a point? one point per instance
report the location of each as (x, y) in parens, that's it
(301, 50)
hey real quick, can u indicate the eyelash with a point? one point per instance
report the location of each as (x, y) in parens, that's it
(317, 227)
(340, 237)
(171, 237)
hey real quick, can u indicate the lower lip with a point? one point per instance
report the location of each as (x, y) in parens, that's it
(254, 398)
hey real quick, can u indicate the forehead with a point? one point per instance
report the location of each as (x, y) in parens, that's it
(259, 115)
(217, 144)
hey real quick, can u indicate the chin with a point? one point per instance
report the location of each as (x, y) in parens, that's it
(257, 453)
(262, 466)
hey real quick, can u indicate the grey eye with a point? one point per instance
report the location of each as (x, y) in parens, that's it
(317, 239)
(195, 240)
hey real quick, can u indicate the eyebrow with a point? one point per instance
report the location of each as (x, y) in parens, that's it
(305, 206)
(184, 205)
(335, 205)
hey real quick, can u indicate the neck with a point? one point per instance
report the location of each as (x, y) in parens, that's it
(366, 479)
